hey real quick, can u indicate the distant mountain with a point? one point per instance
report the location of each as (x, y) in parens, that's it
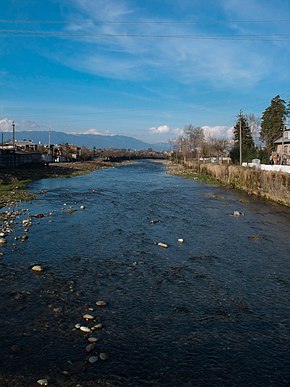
(87, 140)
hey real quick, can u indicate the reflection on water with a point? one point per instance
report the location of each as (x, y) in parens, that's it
(211, 311)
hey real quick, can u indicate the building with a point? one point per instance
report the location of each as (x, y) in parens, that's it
(283, 148)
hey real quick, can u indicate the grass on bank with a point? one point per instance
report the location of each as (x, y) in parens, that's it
(202, 178)
(14, 182)
(13, 192)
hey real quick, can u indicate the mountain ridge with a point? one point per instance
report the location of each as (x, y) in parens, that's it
(87, 140)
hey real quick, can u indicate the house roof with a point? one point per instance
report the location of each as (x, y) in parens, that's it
(283, 139)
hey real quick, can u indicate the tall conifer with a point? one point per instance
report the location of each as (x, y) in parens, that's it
(248, 146)
(273, 122)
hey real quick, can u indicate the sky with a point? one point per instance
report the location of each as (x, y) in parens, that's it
(144, 69)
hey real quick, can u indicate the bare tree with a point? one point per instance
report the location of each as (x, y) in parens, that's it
(194, 138)
(254, 123)
(219, 146)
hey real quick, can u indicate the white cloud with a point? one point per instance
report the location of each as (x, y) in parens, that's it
(220, 132)
(96, 132)
(165, 129)
(27, 125)
(6, 125)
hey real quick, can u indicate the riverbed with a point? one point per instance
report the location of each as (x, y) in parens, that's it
(194, 281)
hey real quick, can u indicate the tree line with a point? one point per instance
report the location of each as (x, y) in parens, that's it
(253, 137)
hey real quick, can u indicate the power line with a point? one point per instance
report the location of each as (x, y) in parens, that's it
(22, 21)
(252, 37)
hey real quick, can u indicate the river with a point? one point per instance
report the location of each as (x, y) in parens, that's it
(211, 310)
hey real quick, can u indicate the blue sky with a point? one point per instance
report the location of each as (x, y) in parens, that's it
(144, 69)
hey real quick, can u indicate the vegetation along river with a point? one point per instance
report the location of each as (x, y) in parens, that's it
(211, 310)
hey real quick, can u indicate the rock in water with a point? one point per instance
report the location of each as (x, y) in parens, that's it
(103, 356)
(3, 241)
(161, 244)
(42, 382)
(90, 347)
(85, 329)
(93, 359)
(98, 326)
(38, 268)
(92, 339)
(101, 303)
(88, 317)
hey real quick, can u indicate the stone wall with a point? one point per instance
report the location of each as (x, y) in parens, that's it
(271, 185)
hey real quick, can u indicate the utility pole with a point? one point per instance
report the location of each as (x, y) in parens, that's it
(282, 145)
(241, 158)
(13, 135)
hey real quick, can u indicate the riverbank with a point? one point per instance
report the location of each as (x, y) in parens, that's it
(273, 186)
(13, 183)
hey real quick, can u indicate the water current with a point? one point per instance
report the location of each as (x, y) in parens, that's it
(211, 311)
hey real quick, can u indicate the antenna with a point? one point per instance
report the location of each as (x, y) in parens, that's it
(49, 135)
(13, 134)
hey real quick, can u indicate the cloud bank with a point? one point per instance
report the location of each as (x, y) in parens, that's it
(116, 49)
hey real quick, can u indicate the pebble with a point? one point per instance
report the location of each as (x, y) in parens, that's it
(15, 348)
(42, 382)
(3, 241)
(101, 303)
(93, 359)
(77, 326)
(237, 213)
(82, 207)
(37, 268)
(85, 329)
(90, 347)
(180, 240)
(103, 356)
(92, 339)
(88, 317)
(98, 326)
(161, 244)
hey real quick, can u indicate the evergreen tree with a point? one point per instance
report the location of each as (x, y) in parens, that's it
(273, 122)
(247, 139)
(248, 146)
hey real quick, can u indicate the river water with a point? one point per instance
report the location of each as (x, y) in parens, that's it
(211, 311)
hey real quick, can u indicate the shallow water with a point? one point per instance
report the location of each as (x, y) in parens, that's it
(212, 311)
